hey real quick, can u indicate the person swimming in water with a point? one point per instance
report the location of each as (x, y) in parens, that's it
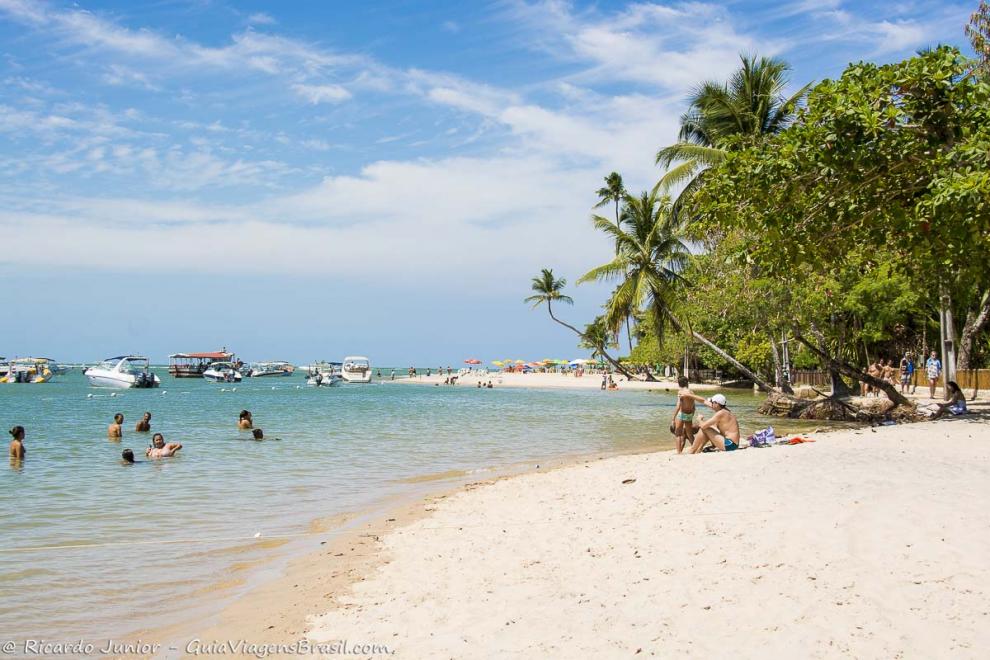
(116, 431)
(245, 422)
(127, 457)
(160, 449)
(258, 434)
(17, 449)
(144, 426)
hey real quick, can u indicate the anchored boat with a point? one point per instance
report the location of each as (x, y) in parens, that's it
(356, 369)
(193, 365)
(222, 372)
(123, 371)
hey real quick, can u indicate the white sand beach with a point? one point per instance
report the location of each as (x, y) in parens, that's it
(552, 380)
(867, 543)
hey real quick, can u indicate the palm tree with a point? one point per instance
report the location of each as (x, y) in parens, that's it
(615, 191)
(652, 255)
(750, 105)
(548, 289)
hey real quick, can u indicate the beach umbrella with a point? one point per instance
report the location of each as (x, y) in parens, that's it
(579, 361)
(472, 361)
(520, 362)
(497, 363)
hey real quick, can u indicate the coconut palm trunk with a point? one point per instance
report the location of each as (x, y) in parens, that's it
(601, 349)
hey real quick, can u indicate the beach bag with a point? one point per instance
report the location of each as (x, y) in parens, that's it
(764, 438)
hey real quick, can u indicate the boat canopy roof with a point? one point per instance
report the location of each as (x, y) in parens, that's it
(215, 355)
(356, 358)
(125, 357)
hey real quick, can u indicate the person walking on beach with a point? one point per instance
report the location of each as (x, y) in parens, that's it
(161, 450)
(144, 426)
(722, 430)
(933, 369)
(17, 450)
(116, 431)
(244, 422)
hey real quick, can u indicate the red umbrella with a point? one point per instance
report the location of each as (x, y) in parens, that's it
(472, 361)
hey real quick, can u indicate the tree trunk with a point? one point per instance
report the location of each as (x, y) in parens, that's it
(622, 370)
(778, 368)
(762, 384)
(838, 386)
(629, 335)
(976, 320)
(853, 372)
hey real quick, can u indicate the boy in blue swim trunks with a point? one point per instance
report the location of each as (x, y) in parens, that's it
(722, 430)
(682, 425)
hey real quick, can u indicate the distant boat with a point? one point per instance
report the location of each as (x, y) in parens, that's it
(324, 374)
(123, 371)
(261, 369)
(356, 369)
(32, 370)
(193, 365)
(222, 372)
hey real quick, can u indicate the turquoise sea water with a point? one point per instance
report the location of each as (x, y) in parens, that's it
(153, 527)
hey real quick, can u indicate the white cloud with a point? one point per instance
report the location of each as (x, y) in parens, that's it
(261, 18)
(316, 94)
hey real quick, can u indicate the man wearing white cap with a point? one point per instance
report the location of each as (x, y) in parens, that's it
(722, 430)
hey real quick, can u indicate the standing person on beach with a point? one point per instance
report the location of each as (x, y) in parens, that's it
(116, 431)
(244, 422)
(722, 430)
(933, 369)
(144, 426)
(17, 450)
(683, 422)
(907, 370)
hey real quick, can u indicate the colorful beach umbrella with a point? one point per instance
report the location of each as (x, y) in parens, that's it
(472, 361)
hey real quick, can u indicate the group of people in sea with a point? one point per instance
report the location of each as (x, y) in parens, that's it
(158, 448)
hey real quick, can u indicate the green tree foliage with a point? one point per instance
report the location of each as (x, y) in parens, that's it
(978, 32)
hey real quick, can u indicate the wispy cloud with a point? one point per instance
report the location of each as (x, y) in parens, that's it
(316, 94)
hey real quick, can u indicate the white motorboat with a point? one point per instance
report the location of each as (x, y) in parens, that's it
(222, 372)
(261, 369)
(123, 371)
(324, 374)
(356, 369)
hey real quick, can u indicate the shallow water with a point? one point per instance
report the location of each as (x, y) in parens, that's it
(160, 532)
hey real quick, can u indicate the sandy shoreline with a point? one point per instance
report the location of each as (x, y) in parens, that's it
(869, 542)
(554, 381)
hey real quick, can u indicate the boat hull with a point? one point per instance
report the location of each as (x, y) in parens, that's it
(121, 381)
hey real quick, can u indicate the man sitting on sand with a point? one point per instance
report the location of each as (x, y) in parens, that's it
(160, 449)
(144, 426)
(115, 431)
(722, 430)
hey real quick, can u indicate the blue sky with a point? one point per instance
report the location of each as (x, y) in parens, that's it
(305, 180)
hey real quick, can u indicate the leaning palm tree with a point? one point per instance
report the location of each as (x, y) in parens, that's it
(549, 289)
(652, 256)
(750, 105)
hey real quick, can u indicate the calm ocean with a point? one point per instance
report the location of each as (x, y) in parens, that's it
(164, 531)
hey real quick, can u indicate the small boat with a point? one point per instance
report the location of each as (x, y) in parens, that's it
(262, 369)
(222, 372)
(194, 365)
(324, 374)
(31, 370)
(123, 371)
(356, 369)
